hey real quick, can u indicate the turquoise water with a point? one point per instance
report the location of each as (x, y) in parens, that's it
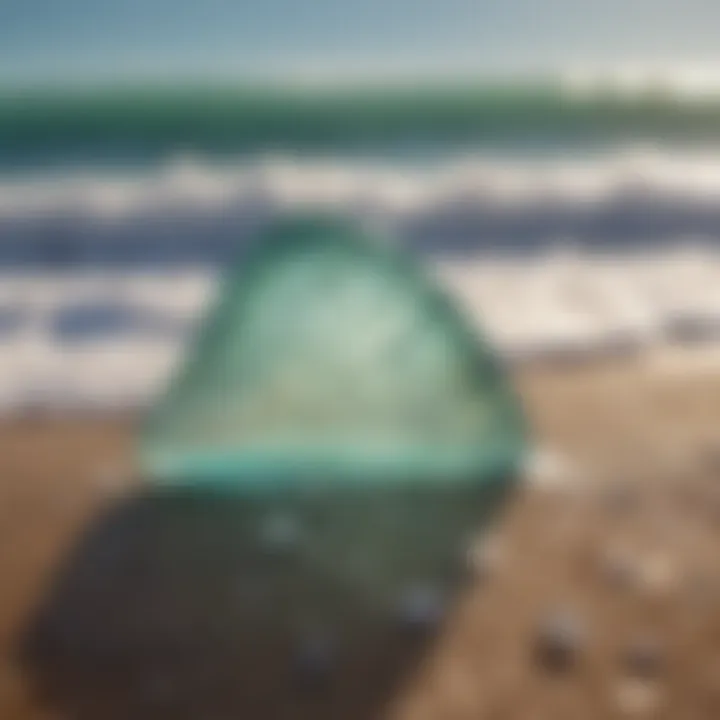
(139, 125)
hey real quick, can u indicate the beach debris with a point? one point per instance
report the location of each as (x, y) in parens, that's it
(638, 698)
(560, 640)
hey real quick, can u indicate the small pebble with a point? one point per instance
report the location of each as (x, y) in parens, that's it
(560, 640)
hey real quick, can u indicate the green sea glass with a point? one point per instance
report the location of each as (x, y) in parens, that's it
(332, 358)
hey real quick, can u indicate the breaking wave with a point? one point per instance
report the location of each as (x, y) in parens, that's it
(105, 275)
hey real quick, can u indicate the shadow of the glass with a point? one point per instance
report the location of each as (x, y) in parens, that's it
(166, 609)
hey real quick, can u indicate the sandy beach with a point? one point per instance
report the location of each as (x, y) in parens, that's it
(332, 512)
(611, 544)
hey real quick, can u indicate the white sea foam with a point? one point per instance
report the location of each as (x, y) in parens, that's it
(529, 309)
(187, 184)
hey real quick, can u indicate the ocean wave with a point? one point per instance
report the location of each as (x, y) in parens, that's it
(194, 211)
(149, 124)
(104, 278)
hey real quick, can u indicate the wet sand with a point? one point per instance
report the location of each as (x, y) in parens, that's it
(618, 545)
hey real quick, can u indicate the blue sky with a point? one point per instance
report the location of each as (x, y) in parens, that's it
(100, 39)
